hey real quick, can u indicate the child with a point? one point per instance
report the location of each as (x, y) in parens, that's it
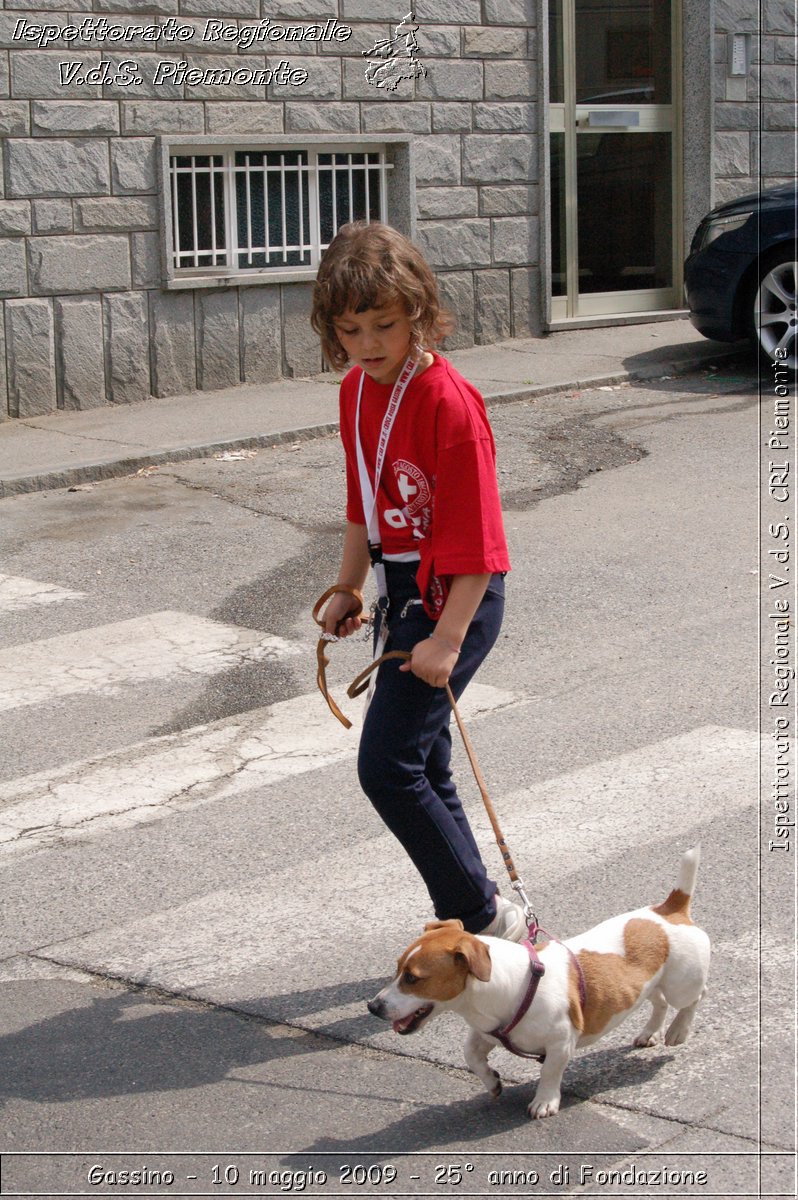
(431, 526)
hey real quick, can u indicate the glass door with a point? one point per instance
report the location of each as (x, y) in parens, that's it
(614, 155)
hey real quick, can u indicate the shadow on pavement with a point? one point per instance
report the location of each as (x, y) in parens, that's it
(737, 367)
(126, 1042)
(479, 1119)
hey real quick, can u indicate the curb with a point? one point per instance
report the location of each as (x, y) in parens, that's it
(114, 468)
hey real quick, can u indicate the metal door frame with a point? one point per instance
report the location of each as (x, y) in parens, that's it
(564, 118)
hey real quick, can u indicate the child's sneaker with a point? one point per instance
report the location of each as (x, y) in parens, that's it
(509, 922)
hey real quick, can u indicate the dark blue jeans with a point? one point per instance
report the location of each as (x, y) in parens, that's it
(405, 751)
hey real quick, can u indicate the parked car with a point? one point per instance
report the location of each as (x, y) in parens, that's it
(740, 277)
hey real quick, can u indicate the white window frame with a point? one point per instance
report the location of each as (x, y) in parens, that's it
(395, 191)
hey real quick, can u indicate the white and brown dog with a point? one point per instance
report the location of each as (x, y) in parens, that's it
(591, 984)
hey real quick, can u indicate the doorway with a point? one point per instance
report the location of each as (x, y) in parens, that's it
(615, 157)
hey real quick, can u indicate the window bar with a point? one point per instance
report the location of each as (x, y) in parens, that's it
(367, 181)
(194, 209)
(301, 175)
(344, 174)
(267, 244)
(175, 214)
(282, 201)
(212, 178)
(376, 169)
(247, 185)
(230, 210)
(351, 193)
(334, 184)
(314, 216)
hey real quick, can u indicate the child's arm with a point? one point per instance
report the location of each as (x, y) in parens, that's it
(355, 563)
(435, 657)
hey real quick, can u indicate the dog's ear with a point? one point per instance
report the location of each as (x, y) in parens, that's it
(476, 955)
(454, 924)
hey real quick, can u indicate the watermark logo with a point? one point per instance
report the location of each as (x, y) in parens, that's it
(392, 60)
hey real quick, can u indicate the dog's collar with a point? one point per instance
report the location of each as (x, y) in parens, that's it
(536, 973)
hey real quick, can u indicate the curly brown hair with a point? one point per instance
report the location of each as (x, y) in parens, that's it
(371, 265)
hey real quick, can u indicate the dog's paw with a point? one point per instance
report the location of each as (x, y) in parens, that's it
(538, 1109)
(642, 1040)
(496, 1090)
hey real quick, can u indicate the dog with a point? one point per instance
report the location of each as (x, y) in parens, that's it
(591, 983)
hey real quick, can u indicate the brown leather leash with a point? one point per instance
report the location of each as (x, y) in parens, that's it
(327, 639)
(359, 685)
(536, 967)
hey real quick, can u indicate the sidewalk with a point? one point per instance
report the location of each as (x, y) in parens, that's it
(67, 448)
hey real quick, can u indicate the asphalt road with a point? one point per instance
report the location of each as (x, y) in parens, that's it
(198, 901)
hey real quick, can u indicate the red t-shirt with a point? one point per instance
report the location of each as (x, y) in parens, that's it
(438, 496)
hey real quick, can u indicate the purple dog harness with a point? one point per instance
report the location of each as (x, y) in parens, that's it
(536, 973)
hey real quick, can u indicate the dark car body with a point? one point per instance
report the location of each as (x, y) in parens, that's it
(722, 271)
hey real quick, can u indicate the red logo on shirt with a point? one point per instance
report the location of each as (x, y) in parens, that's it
(415, 493)
(412, 484)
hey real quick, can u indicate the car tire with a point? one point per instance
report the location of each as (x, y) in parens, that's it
(773, 310)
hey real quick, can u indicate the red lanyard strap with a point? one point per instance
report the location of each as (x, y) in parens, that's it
(369, 490)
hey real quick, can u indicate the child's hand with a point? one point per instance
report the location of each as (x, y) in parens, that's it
(337, 615)
(433, 661)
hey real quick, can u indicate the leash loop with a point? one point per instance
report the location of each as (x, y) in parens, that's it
(326, 639)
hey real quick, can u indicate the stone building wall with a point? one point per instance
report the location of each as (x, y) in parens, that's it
(755, 116)
(85, 319)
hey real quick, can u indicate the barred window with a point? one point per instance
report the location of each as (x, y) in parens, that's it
(267, 209)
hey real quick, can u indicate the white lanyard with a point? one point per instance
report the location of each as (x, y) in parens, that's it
(367, 491)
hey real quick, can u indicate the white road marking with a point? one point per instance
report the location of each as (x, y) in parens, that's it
(17, 593)
(103, 659)
(222, 946)
(158, 777)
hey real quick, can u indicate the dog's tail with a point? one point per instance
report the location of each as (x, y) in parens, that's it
(688, 870)
(677, 905)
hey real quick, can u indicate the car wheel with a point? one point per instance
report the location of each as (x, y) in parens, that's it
(775, 312)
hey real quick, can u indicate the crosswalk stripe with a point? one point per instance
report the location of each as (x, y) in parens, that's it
(104, 658)
(17, 594)
(158, 777)
(222, 945)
